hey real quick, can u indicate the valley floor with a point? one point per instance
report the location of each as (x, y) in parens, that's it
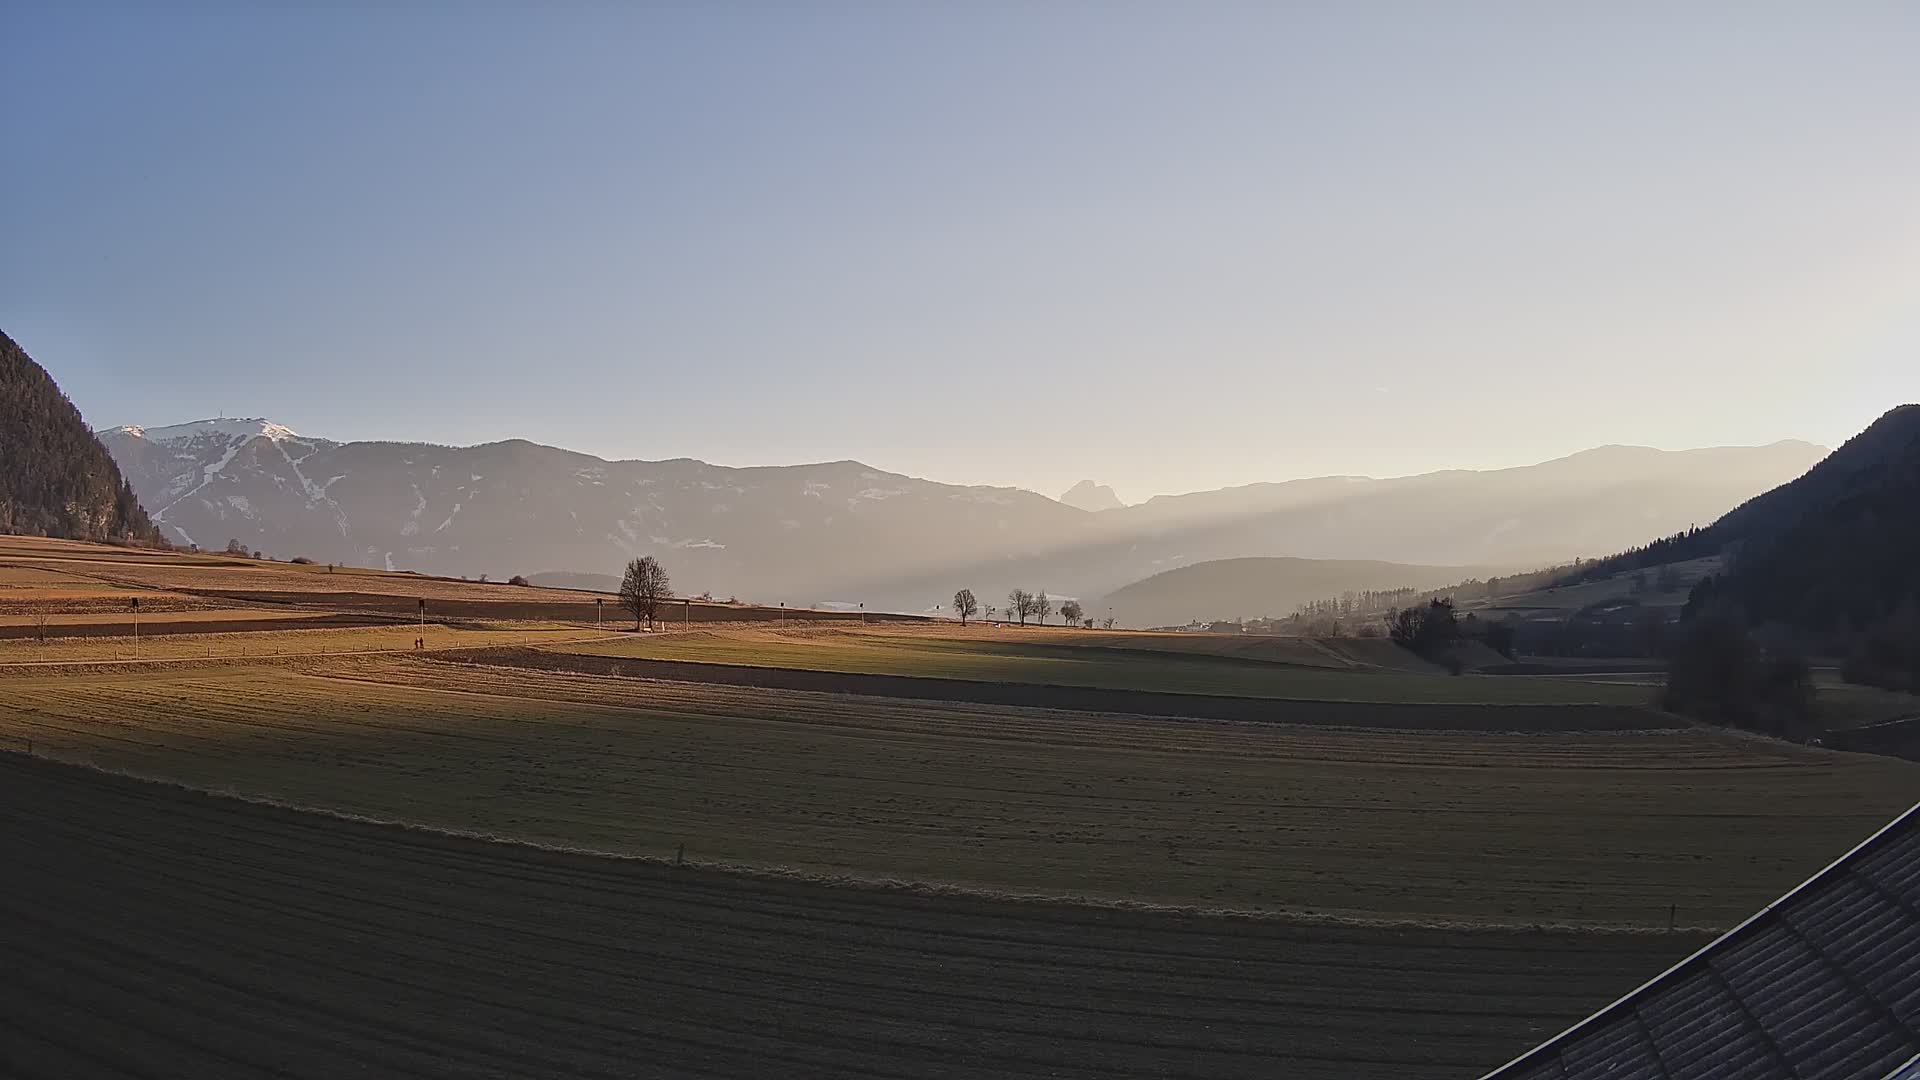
(154, 931)
(827, 848)
(1589, 828)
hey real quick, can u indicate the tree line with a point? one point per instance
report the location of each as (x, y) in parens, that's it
(1021, 606)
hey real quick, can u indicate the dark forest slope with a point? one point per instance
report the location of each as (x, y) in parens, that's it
(55, 477)
(1839, 547)
(1839, 544)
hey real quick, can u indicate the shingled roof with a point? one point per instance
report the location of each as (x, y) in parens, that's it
(1822, 984)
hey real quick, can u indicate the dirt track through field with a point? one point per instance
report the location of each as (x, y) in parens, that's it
(155, 932)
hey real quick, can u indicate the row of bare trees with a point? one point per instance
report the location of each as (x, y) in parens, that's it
(1021, 605)
(645, 587)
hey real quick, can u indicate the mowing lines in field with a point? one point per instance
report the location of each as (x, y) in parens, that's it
(1387, 825)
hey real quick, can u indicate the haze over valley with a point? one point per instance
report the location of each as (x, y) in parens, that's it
(849, 532)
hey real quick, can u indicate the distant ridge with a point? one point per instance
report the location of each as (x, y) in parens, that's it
(224, 426)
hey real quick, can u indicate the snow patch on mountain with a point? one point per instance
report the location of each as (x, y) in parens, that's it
(225, 427)
(207, 474)
(315, 493)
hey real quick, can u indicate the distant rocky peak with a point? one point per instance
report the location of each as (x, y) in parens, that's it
(1092, 497)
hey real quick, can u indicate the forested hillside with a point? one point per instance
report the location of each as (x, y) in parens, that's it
(1836, 555)
(1838, 548)
(55, 477)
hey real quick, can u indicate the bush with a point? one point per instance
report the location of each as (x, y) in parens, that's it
(302, 560)
(1721, 675)
(1887, 655)
(517, 579)
(1499, 637)
(1427, 631)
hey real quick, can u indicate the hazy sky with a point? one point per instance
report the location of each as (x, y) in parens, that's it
(1165, 246)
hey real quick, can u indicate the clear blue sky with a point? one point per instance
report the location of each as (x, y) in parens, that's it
(1164, 246)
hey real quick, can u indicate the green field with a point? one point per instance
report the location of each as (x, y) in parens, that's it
(1121, 666)
(1382, 825)
(152, 931)
(1845, 705)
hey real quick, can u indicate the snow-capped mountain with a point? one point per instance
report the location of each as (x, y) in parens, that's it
(846, 531)
(800, 533)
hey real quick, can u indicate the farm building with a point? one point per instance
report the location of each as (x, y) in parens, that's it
(1823, 984)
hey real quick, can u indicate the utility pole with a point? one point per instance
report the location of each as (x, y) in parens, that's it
(136, 622)
(596, 612)
(423, 620)
(688, 618)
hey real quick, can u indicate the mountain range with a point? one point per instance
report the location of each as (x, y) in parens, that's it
(846, 531)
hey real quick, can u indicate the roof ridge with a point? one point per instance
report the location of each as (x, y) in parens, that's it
(1546, 1051)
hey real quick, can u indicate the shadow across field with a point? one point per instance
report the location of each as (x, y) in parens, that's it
(159, 932)
(1395, 715)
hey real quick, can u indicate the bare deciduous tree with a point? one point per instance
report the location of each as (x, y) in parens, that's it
(643, 588)
(965, 606)
(1071, 612)
(1020, 605)
(1042, 607)
(1106, 623)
